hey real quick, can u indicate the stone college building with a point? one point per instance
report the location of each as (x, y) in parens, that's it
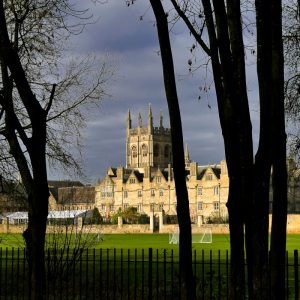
(147, 181)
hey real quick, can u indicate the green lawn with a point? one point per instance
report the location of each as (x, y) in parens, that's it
(145, 241)
(116, 270)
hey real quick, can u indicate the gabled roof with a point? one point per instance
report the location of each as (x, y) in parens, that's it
(217, 172)
(165, 174)
(63, 183)
(76, 195)
(138, 175)
(159, 172)
(200, 172)
(133, 173)
(203, 169)
(112, 172)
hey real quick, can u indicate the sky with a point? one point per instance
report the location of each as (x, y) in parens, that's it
(133, 48)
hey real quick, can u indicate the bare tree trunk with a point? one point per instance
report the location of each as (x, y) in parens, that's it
(263, 159)
(185, 243)
(279, 217)
(236, 127)
(34, 177)
(35, 233)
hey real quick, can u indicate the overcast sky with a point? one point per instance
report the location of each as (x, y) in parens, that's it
(133, 47)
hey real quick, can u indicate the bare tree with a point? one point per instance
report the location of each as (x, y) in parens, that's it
(41, 109)
(185, 243)
(249, 179)
(291, 37)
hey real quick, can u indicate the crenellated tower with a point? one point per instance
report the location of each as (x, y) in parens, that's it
(149, 145)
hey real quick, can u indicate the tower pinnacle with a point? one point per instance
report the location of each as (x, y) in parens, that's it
(161, 117)
(140, 120)
(187, 154)
(150, 119)
(129, 120)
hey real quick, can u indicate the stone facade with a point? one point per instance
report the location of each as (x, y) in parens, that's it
(147, 181)
(70, 195)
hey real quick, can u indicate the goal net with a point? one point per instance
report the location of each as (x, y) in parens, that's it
(204, 237)
(174, 236)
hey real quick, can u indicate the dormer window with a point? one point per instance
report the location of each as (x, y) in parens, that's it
(158, 179)
(131, 180)
(208, 177)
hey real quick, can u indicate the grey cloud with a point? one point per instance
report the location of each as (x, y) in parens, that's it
(139, 82)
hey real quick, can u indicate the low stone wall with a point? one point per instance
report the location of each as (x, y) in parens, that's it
(133, 228)
(293, 223)
(216, 228)
(104, 229)
(293, 227)
(8, 228)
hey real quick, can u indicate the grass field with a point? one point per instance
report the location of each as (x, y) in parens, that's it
(120, 268)
(145, 241)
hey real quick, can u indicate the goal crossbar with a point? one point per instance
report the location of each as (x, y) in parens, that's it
(204, 237)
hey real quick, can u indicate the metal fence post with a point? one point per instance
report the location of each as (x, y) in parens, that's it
(150, 274)
(296, 264)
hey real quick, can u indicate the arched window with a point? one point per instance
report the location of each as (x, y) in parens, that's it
(144, 150)
(133, 151)
(156, 150)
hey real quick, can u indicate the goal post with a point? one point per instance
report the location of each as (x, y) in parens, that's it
(174, 236)
(203, 237)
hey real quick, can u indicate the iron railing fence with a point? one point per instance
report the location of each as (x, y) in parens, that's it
(125, 274)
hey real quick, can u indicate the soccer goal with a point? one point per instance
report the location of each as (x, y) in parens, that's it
(174, 236)
(204, 237)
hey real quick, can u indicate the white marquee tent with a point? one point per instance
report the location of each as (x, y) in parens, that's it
(21, 217)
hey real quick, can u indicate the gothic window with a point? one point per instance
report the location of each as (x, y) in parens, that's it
(161, 206)
(125, 194)
(200, 205)
(216, 206)
(156, 150)
(151, 206)
(152, 192)
(131, 180)
(112, 208)
(139, 193)
(167, 151)
(161, 193)
(199, 191)
(208, 177)
(216, 190)
(144, 150)
(139, 208)
(133, 151)
(158, 179)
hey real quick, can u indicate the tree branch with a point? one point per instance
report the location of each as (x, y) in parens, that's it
(196, 35)
(48, 107)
